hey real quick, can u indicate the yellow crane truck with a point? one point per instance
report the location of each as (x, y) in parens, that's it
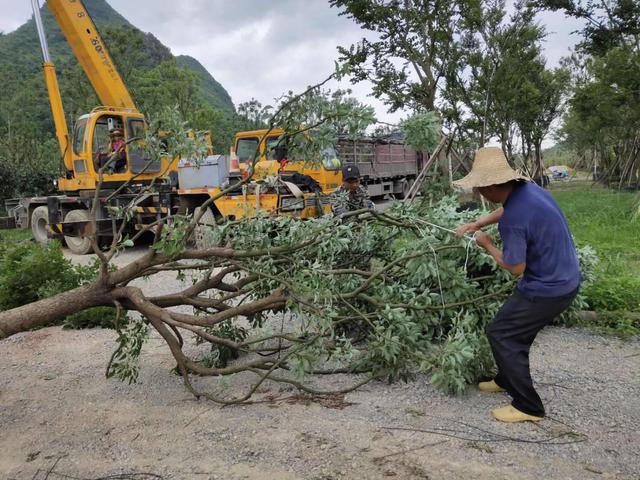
(181, 186)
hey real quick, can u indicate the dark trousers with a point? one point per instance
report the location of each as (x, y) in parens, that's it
(511, 334)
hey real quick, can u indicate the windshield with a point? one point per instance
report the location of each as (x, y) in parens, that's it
(138, 158)
(136, 129)
(246, 149)
(275, 149)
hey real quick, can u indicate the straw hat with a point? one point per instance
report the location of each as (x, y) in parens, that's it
(490, 167)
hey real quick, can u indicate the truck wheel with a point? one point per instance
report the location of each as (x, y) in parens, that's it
(406, 186)
(201, 232)
(78, 245)
(39, 222)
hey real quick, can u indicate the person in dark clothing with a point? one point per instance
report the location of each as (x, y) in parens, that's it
(351, 195)
(538, 247)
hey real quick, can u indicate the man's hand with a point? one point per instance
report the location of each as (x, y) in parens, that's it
(483, 239)
(467, 228)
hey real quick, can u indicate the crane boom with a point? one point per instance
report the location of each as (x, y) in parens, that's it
(51, 81)
(88, 47)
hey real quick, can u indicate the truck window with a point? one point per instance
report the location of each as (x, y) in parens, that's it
(101, 137)
(102, 149)
(271, 144)
(246, 149)
(78, 136)
(136, 129)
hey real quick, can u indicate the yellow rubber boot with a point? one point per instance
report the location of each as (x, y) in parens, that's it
(490, 386)
(511, 414)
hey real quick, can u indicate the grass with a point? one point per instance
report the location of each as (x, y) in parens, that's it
(15, 235)
(604, 220)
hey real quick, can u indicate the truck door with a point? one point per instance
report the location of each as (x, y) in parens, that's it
(135, 142)
(80, 146)
(104, 145)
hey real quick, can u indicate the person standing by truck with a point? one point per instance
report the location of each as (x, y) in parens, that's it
(537, 246)
(351, 195)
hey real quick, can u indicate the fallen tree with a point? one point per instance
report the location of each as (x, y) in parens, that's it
(385, 296)
(380, 295)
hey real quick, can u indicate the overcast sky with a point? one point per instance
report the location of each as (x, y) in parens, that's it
(261, 49)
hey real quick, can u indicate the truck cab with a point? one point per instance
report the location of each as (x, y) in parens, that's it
(273, 159)
(92, 149)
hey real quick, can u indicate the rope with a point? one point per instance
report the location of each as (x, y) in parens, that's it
(435, 257)
(471, 242)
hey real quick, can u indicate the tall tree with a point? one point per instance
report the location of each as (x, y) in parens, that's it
(498, 84)
(408, 50)
(253, 115)
(540, 103)
(609, 23)
(602, 122)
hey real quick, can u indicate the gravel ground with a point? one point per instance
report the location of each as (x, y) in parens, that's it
(60, 418)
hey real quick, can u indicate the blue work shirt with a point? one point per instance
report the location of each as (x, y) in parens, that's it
(534, 231)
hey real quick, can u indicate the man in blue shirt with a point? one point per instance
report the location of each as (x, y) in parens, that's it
(536, 245)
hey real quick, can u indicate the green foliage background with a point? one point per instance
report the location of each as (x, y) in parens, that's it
(604, 219)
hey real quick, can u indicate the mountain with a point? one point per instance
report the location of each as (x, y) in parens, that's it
(210, 90)
(23, 98)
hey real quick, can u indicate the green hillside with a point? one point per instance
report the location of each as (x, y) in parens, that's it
(208, 87)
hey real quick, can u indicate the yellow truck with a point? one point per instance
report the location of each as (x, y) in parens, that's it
(279, 186)
(276, 188)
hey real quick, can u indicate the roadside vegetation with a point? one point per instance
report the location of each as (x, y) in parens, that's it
(30, 272)
(604, 219)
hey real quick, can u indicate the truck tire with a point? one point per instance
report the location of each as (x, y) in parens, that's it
(78, 245)
(200, 233)
(39, 222)
(406, 186)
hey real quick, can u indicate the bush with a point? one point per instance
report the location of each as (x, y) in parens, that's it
(616, 301)
(30, 272)
(621, 323)
(614, 293)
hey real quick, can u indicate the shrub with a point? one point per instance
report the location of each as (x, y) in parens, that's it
(30, 272)
(614, 293)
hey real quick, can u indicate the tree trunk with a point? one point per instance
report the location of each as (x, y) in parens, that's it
(50, 309)
(539, 162)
